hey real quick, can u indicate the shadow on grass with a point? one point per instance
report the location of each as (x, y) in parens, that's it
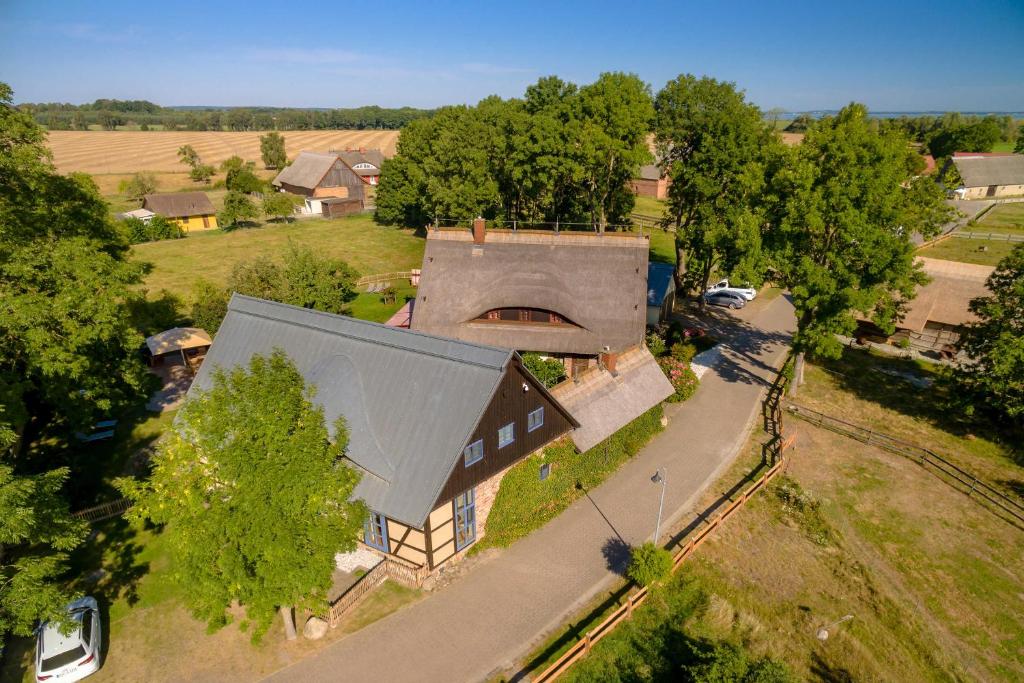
(824, 671)
(108, 565)
(888, 382)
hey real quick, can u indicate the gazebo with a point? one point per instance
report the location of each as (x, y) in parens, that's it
(190, 342)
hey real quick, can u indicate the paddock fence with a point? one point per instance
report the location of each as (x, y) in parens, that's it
(103, 511)
(1001, 504)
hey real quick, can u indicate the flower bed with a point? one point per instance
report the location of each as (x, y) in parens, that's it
(682, 378)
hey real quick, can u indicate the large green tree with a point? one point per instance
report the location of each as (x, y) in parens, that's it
(845, 207)
(992, 379)
(272, 150)
(253, 495)
(69, 354)
(715, 147)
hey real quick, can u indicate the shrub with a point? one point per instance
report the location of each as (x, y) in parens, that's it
(138, 186)
(158, 228)
(655, 343)
(804, 509)
(649, 564)
(547, 370)
(684, 352)
(680, 376)
(726, 662)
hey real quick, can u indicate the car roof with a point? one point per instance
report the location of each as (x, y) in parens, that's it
(55, 642)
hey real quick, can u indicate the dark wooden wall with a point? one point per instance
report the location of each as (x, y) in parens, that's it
(509, 404)
(341, 175)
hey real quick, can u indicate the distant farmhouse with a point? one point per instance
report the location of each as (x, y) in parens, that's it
(989, 175)
(651, 182)
(433, 423)
(580, 298)
(333, 183)
(191, 210)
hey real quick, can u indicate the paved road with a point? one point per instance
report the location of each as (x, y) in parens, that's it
(484, 622)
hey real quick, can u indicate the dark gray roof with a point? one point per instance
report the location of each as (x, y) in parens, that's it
(179, 204)
(982, 171)
(650, 172)
(659, 282)
(598, 282)
(307, 170)
(352, 157)
(411, 400)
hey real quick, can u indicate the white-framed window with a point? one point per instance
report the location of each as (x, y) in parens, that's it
(506, 434)
(535, 419)
(375, 531)
(474, 452)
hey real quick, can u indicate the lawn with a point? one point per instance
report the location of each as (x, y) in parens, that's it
(649, 206)
(364, 245)
(1001, 218)
(982, 252)
(663, 246)
(933, 581)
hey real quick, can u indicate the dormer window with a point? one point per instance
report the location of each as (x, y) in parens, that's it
(535, 316)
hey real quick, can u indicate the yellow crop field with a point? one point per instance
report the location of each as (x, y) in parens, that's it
(128, 151)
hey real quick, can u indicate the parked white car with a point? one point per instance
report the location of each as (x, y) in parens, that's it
(747, 293)
(71, 657)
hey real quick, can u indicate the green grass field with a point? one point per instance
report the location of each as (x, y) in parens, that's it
(649, 206)
(969, 251)
(1002, 218)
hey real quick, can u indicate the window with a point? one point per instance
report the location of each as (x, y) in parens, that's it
(535, 419)
(87, 626)
(506, 434)
(474, 452)
(465, 519)
(375, 531)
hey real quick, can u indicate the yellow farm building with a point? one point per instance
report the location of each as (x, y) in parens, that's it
(193, 211)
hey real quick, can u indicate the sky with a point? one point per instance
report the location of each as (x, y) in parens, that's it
(901, 55)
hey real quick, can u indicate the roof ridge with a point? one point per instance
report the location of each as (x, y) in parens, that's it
(393, 331)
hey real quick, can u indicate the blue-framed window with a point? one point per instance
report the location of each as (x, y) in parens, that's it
(506, 434)
(474, 452)
(535, 419)
(375, 531)
(465, 519)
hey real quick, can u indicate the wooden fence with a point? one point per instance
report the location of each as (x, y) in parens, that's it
(381, 278)
(643, 221)
(634, 600)
(103, 511)
(998, 502)
(386, 569)
(992, 236)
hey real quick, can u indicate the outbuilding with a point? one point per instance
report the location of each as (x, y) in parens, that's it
(191, 210)
(989, 175)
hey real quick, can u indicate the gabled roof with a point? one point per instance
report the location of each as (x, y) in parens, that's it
(650, 172)
(598, 282)
(354, 157)
(308, 169)
(411, 400)
(982, 170)
(179, 204)
(946, 299)
(659, 282)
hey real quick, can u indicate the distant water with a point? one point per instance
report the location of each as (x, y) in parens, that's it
(897, 114)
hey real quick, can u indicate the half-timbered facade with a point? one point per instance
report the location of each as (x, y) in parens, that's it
(433, 422)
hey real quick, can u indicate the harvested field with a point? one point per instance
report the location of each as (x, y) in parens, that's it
(128, 151)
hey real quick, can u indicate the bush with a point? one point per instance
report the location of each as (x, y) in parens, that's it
(680, 376)
(804, 509)
(649, 564)
(548, 371)
(158, 228)
(729, 663)
(655, 343)
(684, 352)
(138, 186)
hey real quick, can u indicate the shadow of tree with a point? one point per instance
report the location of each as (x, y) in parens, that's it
(108, 565)
(616, 554)
(828, 672)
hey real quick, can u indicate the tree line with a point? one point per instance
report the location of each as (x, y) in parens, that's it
(111, 114)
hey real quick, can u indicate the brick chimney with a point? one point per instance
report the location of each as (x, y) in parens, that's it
(479, 230)
(608, 360)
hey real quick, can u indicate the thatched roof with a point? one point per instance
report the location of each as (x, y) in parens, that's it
(947, 297)
(308, 169)
(179, 204)
(354, 157)
(597, 282)
(603, 403)
(650, 172)
(983, 171)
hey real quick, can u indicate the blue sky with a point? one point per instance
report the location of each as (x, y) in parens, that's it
(893, 56)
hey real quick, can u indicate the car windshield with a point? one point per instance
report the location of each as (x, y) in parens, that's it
(62, 659)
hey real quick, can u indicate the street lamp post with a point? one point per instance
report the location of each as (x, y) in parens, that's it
(659, 478)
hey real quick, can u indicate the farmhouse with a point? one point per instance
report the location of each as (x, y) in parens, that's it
(578, 297)
(433, 423)
(989, 175)
(651, 182)
(317, 175)
(190, 210)
(365, 162)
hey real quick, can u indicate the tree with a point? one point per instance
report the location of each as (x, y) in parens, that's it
(69, 354)
(235, 162)
(209, 305)
(615, 117)
(978, 135)
(844, 208)
(198, 171)
(649, 564)
(800, 123)
(715, 148)
(188, 155)
(1019, 147)
(278, 205)
(311, 281)
(992, 380)
(729, 663)
(138, 186)
(272, 150)
(201, 173)
(548, 371)
(238, 208)
(253, 495)
(244, 180)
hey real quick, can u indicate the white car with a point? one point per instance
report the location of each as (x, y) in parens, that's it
(747, 293)
(74, 656)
